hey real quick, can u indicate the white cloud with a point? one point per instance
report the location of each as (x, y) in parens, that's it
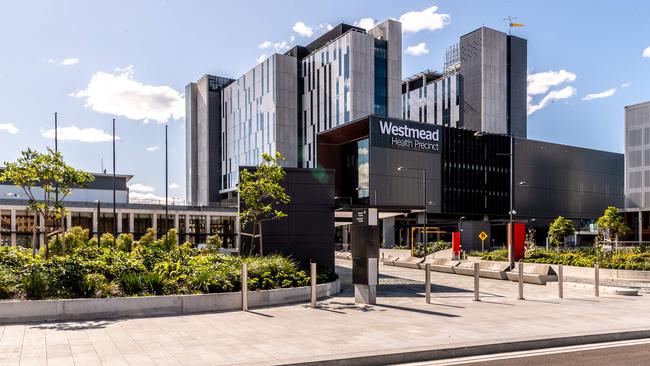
(265, 44)
(366, 23)
(261, 58)
(626, 85)
(74, 133)
(137, 187)
(173, 186)
(415, 21)
(646, 52)
(302, 29)
(605, 94)
(119, 94)
(564, 93)
(139, 197)
(152, 148)
(417, 50)
(9, 127)
(65, 62)
(541, 82)
(281, 46)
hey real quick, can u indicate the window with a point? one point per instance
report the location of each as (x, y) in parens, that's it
(634, 138)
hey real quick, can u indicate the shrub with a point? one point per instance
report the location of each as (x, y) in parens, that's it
(125, 242)
(8, 285)
(34, 282)
(96, 285)
(214, 243)
(155, 283)
(131, 283)
(107, 240)
(65, 276)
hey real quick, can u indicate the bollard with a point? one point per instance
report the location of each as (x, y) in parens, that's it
(314, 296)
(476, 276)
(560, 280)
(427, 283)
(596, 280)
(521, 281)
(244, 287)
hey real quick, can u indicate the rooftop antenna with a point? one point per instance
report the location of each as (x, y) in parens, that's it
(102, 163)
(511, 24)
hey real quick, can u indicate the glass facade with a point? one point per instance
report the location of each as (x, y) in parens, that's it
(355, 179)
(381, 77)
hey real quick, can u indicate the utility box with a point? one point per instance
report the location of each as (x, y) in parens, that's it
(365, 254)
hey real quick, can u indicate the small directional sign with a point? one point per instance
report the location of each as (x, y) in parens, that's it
(483, 235)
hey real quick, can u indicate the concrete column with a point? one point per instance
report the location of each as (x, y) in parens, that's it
(95, 223)
(13, 227)
(207, 223)
(187, 227)
(41, 227)
(389, 232)
(119, 222)
(178, 237)
(131, 222)
(640, 226)
(154, 223)
(68, 220)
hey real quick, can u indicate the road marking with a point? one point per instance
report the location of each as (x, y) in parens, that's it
(532, 353)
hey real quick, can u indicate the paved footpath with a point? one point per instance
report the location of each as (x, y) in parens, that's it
(401, 322)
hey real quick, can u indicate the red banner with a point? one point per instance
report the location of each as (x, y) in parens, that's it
(455, 243)
(520, 238)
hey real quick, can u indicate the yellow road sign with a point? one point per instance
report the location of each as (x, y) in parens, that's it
(483, 235)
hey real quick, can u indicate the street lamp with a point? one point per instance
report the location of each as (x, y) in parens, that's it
(512, 212)
(424, 201)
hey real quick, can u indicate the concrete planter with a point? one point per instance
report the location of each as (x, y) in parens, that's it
(86, 309)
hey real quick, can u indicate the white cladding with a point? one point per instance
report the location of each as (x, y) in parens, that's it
(259, 116)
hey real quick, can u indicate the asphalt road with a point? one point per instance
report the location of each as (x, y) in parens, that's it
(625, 353)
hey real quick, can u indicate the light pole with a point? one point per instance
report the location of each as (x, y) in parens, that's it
(114, 211)
(511, 212)
(424, 200)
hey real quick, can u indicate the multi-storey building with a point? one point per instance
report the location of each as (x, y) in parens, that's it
(282, 103)
(482, 86)
(203, 136)
(637, 170)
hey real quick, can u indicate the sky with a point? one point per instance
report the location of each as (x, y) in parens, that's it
(93, 61)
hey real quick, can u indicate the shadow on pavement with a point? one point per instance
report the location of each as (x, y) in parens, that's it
(86, 325)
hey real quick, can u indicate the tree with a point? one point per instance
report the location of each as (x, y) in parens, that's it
(260, 192)
(613, 221)
(560, 229)
(49, 172)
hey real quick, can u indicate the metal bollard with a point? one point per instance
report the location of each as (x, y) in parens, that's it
(596, 280)
(427, 283)
(521, 281)
(476, 276)
(244, 287)
(314, 296)
(560, 280)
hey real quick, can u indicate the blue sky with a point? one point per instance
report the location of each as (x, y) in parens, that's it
(92, 61)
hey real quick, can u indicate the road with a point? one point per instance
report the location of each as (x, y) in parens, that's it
(626, 353)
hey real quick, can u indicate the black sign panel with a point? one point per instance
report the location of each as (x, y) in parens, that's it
(405, 135)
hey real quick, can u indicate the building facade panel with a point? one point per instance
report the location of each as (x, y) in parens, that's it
(637, 156)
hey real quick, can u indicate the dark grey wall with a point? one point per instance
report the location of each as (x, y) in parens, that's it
(565, 180)
(469, 239)
(518, 68)
(471, 71)
(404, 188)
(308, 230)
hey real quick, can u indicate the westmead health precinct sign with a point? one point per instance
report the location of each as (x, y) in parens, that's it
(399, 134)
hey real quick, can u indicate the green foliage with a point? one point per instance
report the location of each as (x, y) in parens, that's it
(49, 172)
(614, 222)
(125, 242)
(634, 259)
(91, 270)
(559, 229)
(260, 191)
(214, 243)
(107, 240)
(420, 250)
(8, 285)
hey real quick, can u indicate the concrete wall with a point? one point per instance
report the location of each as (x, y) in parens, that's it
(637, 156)
(119, 307)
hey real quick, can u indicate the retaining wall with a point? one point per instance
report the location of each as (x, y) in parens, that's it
(20, 311)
